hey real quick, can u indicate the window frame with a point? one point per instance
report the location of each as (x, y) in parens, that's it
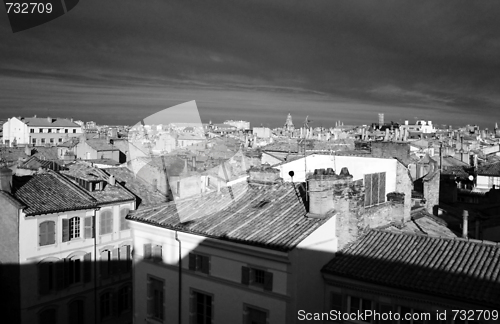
(54, 233)
(75, 230)
(152, 310)
(199, 263)
(124, 224)
(248, 278)
(380, 198)
(106, 219)
(194, 294)
(247, 308)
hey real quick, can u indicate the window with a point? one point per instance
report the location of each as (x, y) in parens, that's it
(199, 263)
(32, 130)
(49, 130)
(33, 141)
(47, 233)
(155, 299)
(74, 130)
(42, 140)
(74, 228)
(105, 305)
(60, 140)
(105, 264)
(336, 301)
(58, 130)
(123, 222)
(74, 270)
(106, 222)
(257, 278)
(153, 252)
(70, 229)
(40, 130)
(88, 226)
(46, 277)
(125, 259)
(374, 188)
(48, 316)
(255, 315)
(202, 308)
(65, 130)
(124, 299)
(76, 312)
(359, 304)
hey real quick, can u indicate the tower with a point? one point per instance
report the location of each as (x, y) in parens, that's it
(288, 124)
(380, 119)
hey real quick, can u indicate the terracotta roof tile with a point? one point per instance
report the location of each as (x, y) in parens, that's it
(51, 192)
(279, 224)
(453, 268)
(492, 169)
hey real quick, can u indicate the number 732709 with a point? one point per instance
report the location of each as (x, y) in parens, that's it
(27, 8)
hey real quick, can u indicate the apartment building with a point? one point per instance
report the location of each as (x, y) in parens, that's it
(38, 131)
(65, 247)
(252, 252)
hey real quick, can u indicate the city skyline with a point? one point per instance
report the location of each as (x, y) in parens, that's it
(258, 61)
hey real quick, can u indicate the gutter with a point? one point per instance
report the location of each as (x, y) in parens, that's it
(180, 278)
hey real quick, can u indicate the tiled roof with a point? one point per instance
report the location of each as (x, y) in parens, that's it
(492, 169)
(110, 193)
(422, 222)
(104, 161)
(44, 122)
(51, 192)
(101, 144)
(12, 154)
(138, 187)
(47, 153)
(34, 163)
(451, 161)
(452, 268)
(268, 216)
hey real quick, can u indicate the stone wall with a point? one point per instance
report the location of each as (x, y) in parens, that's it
(400, 150)
(431, 190)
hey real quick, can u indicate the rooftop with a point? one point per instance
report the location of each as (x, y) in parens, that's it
(51, 192)
(268, 216)
(452, 268)
(492, 169)
(44, 122)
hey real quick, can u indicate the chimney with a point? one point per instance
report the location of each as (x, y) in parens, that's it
(321, 185)
(264, 175)
(465, 220)
(5, 179)
(49, 119)
(27, 150)
(112, 180)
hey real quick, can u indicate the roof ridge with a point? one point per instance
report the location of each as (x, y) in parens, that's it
(459, 239)
(70, 183)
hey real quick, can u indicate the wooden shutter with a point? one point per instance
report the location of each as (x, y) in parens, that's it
(381, 188)
(147, 251)
(245, 275)
(205, 264)
(268, 281)
(157, 253)
(43, 278)
(192, 261)
(43, 229)
(89, 227)
(87, 267)
(65, 230)
(51, 232)
(150, 298)
(374, 189)
(368, 187)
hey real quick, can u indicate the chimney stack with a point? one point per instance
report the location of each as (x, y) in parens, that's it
(264, 175)
(5, 179)
(112, 180)
(465, 224)
(49, 119)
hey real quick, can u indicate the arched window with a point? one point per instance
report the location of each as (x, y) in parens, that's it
(76, 312)
(74, 228)
(47, 233)
(48, 316)
(123, 222)
(105, 305)
(124, 299)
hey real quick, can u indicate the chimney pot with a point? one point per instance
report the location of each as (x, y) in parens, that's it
(112, 180)
(465, 224)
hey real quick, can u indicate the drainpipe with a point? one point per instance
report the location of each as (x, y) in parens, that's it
(95, 266)
(180, 278)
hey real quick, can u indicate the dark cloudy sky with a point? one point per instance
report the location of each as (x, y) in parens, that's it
(118, 61)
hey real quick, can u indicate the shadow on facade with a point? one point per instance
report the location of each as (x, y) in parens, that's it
(66, 291)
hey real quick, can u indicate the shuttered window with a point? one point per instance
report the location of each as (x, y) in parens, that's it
(125, 260)
(153, 252)
(255, 315)
(123, 222)
(106, 223)
(257, 278)
(105, 305)
(374, 188)
(202, 308)
(199, 263)
(105, 264)
(89, 227)
(47, 233)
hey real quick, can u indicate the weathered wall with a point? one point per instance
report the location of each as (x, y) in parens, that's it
(431, 190)
(404, 184)
(400, 150)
